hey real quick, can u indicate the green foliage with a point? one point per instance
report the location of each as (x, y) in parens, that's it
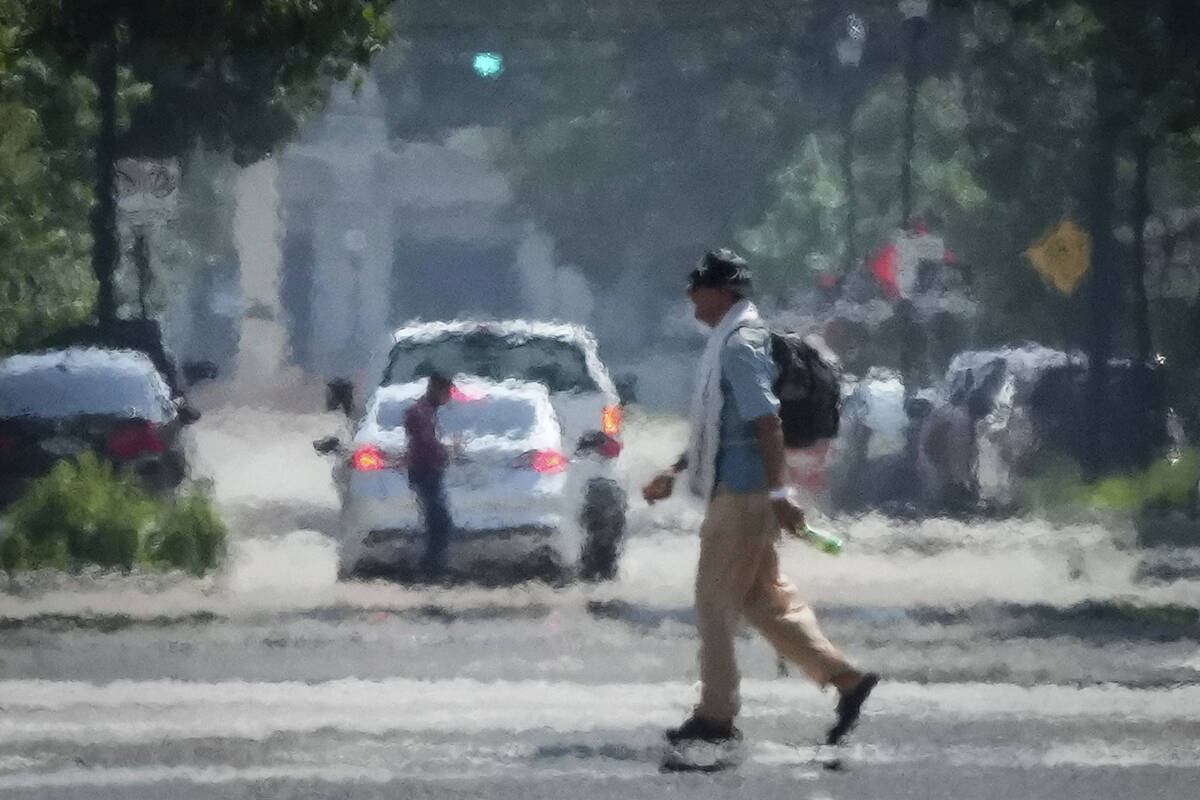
(44, 195)
(82, 512)
(188, 535)
(804, 229)
(1170, 482)
(637, 129)
(14, 552)
(238, 77)
(85, 512)
(1055, 486)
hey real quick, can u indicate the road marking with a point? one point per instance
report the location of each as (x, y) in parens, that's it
(76, 734)
(470, 761)
(150, 711)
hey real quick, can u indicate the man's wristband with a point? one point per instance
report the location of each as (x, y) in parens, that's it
(782, 494)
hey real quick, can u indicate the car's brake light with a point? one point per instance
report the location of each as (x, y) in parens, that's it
(8, 443)
(549, 461)
(610, 447)
(459, 396)
(133, 440)
(599, 443)
(546, 462)
(367, 458)
(610, 421)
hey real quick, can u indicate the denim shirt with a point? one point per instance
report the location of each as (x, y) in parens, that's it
(747, 374)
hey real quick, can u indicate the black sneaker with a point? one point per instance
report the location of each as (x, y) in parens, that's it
(849, 706)
(699, 729)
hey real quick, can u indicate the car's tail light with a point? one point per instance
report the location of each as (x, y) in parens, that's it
(134, 440)
(546, 462)
(610, 420)
(7, 444)
(549, 462)
(599, 443)
(459, 396)
(609, 448)
(367, 458)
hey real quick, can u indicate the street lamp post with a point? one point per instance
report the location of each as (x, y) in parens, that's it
(914, 13)
(849, 54)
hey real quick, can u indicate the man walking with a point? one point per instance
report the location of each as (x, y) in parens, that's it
(736, 462)
(427, 460)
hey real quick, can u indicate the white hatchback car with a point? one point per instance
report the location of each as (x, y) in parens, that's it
(510, 487)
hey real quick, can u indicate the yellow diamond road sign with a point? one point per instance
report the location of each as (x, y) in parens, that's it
(1063, 257)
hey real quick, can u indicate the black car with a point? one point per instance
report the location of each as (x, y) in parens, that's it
(56, 404)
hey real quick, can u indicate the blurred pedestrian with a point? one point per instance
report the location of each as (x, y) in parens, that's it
(428, 458)
(736, 463)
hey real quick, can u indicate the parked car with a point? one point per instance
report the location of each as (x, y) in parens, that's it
(1026, 399)
(143, 336)
(512, 487)
(564, 359)
(56, 404)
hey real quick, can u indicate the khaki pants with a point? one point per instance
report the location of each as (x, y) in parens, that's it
(738, 575)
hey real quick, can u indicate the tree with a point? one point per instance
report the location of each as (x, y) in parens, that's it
(1137, 62)
(44, 280)
(641, 132)
(235, 76)
(803, 230)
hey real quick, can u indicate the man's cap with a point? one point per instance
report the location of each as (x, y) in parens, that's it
(721, 269)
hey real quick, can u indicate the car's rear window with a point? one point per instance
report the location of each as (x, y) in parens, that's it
(56, 393)
(508, 417)
(558, 365)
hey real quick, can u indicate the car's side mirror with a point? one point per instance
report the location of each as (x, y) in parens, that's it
(196, 371)
(339, 393)
(330, 444)
(187, 415)
(626, 388)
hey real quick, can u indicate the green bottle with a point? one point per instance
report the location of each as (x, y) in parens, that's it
(823, 541)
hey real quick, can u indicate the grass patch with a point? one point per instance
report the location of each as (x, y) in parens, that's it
(1056, 487)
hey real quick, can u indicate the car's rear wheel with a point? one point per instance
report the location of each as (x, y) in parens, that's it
(604, 530)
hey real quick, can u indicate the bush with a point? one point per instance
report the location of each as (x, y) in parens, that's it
(84, 512)
(1166, 484)
(189, 535)
(13, 552)
(1055, 486)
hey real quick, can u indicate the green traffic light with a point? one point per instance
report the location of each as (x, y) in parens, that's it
(488, 65)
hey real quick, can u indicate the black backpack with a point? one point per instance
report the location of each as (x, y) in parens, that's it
(808, 390)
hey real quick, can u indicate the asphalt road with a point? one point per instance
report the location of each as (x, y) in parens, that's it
(1021, 660)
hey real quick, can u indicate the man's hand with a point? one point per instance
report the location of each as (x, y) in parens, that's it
(790, 515)
(660, 488)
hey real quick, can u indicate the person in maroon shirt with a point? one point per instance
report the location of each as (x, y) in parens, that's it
(427, 460)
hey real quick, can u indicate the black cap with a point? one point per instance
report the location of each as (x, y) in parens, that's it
(721, 269)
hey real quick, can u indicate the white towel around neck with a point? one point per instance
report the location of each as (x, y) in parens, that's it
(707, 400)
